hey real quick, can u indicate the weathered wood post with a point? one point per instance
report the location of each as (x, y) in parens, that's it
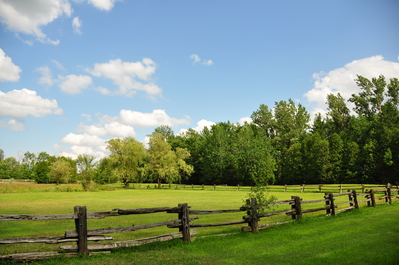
(203, 187)
(254, 216)
(388, 197)
(185, 222)
(214, 186)
(303, 188)
(332, 205)
(354, 195)
(285, 187)
(328, 208)
(372, 198)
(297, 207)
(81, 229)
(340, 188)
(320, 187)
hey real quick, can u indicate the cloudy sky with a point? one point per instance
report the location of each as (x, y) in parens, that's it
(75, 73)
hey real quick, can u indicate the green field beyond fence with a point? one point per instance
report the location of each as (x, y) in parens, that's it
(139, 215)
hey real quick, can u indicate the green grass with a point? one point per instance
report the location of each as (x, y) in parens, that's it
(238, 248)
(367, 236)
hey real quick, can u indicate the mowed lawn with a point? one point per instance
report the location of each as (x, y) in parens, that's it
(234, 249)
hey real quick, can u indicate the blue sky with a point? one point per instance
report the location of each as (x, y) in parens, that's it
(76, 73)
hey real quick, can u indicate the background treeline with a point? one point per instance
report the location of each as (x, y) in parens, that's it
(354, 142)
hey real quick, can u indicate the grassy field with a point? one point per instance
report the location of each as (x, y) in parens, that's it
(244, 244)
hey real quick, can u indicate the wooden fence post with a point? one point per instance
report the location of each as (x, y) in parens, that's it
(185, 222)
(303, 188)
(328, 209)
(332, 204)
(214, 186)
(285, 187)
(81, 229)
(254, 216)
(320, 187)
(372, 197)
(298, 208)
(388, 198)
(354, 195)
(340, 188)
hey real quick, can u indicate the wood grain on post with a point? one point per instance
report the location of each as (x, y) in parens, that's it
(185, 223)
(81, 228)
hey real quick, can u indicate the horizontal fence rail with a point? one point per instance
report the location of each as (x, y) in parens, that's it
(294, 207)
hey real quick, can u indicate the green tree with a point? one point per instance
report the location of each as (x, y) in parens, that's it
(164, 164)
(127, 159)
(60, 171)
(85, 165)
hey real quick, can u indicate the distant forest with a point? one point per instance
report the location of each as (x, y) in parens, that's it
(282, 145)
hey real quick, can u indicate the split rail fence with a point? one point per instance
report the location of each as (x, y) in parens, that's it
(184, 223)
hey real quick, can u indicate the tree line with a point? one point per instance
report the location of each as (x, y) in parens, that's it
(281, 145)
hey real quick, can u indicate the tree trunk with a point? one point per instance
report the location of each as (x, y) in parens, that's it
(159, 183)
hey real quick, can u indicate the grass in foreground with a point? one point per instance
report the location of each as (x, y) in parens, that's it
(366, 236)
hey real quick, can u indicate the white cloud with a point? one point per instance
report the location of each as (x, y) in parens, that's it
(82, 140)
(113, 129)
(125, 75)
(245, 119)
(13, 125)
(106, 5)
(197, 59)
(341, 80)
(47, 78)
(74, 84)
(17, 104)
(76, 24)
(103, 90)
(82, 144)
(143, 120)
(29, 16)
(87, 116)
(8, 70)
(200, 126)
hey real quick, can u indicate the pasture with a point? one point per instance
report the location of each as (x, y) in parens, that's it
(50, 202)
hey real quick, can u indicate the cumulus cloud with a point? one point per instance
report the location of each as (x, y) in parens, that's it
(13, 125)
(76, 24)
(82, 144)
(113, 129)
(143, 120)
(126, 74)
(8, 70)
(200, 126)
(341, 80)
(74, 84)
(106, 5)
(17, 104)
(197, 59)
(82, 139)
(29, 16)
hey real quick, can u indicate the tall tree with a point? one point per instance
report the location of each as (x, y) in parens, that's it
(85, 165)
(61, 171)
(127, 156)
(164, 164)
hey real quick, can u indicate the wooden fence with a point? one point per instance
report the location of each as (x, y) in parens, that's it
(277, 188)
(296, 208)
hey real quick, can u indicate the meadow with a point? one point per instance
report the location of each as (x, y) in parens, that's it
(359, 231)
